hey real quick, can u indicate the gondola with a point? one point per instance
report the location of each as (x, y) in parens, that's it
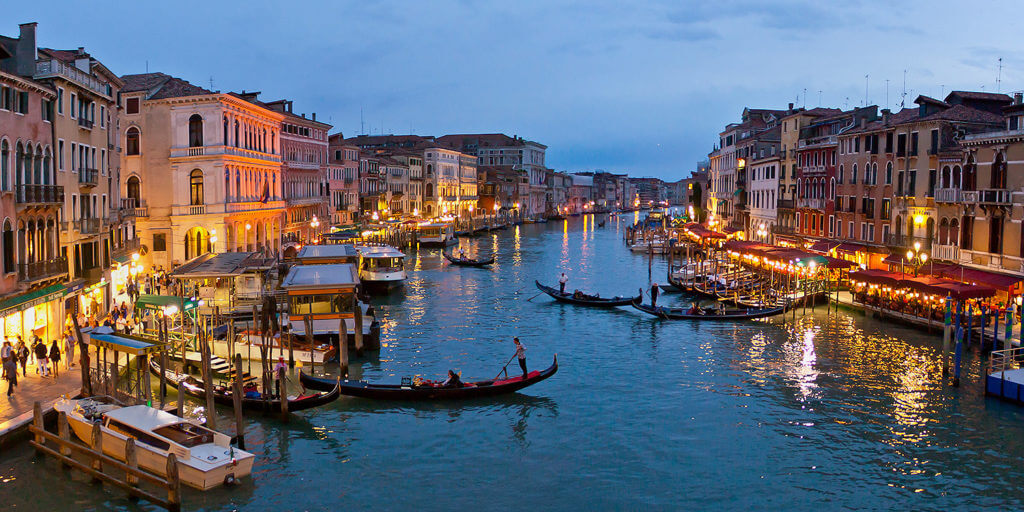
(710, 314)
(467, 262)
(586, 300)
(222, 394)
(431, 390)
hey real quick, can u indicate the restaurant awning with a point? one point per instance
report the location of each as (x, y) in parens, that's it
(835, 263)
(824, 246)
(27, 300)
(977, 276)
(849, 248)
(879, 277)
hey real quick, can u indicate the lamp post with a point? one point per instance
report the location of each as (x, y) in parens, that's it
(314, 224)
(916, 257)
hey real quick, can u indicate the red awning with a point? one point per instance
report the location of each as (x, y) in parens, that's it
(838, 262)
(824, 246)
(849, 248)
(964, 291)
(730, 230)
(982, 277)
(879, 277)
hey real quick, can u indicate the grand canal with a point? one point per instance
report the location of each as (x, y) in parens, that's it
(827, 410)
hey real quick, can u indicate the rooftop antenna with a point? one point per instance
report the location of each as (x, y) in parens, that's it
(211, 82)
(846, 104)
(819, 98)
(147, 65)
(805, 97)
(903, 97)
(887, 93)
(866, 82)
(999, 76)
(362, 126)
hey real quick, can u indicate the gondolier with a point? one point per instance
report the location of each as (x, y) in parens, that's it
(521, 354)
(654, 294)
(561, 283)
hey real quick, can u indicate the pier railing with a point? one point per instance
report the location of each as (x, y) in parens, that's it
(1005, 360)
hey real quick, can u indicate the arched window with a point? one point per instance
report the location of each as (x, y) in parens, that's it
(888, 173)
(196, 187)
(946, 178)
(37, 174)
(874, 174)
(5, 165)
(944, 231)
(832, 189)
(954, 231)
(8, 241)
(133, 190)
(970, 176)
(956, 176)
(853, 174)
(48, 177)
(131, 144)
(840, 173)
(19, 163)
(998, 172)
(195, 131)
(226, 125)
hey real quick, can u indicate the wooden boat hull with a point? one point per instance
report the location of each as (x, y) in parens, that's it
(469, 390)
(597, 303)
(730, 315)
(300, 403)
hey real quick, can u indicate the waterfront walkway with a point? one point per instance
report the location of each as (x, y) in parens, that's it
(16, 410)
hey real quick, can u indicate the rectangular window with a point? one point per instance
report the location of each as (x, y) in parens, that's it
(831, 225)
(74, 101)
(888, 142)
(60, 100)
(131, 106)
(912, 185)
(913, 144)
(103, 162)
(856, 145)
(160, 242)
(931, 183)
(103, 116)
(74, 157)
(935, 141)
(60, 154)
(886, 208)
(849, 230)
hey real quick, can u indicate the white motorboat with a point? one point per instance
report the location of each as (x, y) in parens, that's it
(206, 458)
(381, 267)
(437, 233)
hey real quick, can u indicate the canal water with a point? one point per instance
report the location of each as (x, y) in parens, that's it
(825, 411)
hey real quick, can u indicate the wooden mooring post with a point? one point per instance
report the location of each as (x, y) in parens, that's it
(357, 327)
(100, 466)
(236, 401)
(342, 348)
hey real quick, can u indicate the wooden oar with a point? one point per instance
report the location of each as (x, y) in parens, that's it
(534, 297)
(503, 368)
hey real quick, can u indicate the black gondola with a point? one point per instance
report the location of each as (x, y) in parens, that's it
(222, 394)
(431, 390)
(584, 299)
(467, 262)
(710, 314)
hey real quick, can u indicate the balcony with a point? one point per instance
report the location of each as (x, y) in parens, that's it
(221, 150)
(783, 230)
(818, 141)
(908, 241)
(303, 165)
(947, 195)
(39, 194)
(85, 123)
(127, 247)
(946, 252)
(816, 203)
(39, 270)
(247, 206)
(142, 211)
(53, 67)
(785, 204)
(88, 178)
(88, 226)
(999, 196)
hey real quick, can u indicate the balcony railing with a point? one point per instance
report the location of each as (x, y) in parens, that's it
(40, 194)
(222, 150)
(946, 252)
(39, 270)
(994, 196)
(779, 229)
(53, 67)
(908, 241)
(126, 247)
(947, 195)
(785, 204)
(245, 206)
(88, 177)
(88, 226)
(142, 211)
(816, 203)
(85, 123)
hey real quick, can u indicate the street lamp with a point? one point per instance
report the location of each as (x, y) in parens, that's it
(916, 257)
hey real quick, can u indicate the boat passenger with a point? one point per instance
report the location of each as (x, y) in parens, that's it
(251, 391)
(452, 381)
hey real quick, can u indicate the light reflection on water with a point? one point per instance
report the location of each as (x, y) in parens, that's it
(829, 409)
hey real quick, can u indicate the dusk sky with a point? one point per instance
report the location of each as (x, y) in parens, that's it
(629, 87)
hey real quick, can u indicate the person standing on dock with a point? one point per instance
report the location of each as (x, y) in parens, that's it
(21, 352)
(561, 283)
(654, 294)
(521, 354)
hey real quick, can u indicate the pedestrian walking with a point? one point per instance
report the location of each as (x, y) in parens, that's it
(10, 374)
(521, 355)
(55, 358)
(42, 359)
(21, 352)
(69, 348)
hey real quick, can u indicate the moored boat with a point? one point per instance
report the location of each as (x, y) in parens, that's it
(583, 299)
(710, 314)
(381, 267)
(431, 390)
(253, 403)
(206, 458)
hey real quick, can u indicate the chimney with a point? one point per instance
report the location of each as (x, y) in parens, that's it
(885, 116)
(314, 116)
(1018, 98)
(790, 107)
(303, 115)
(81, 51)
(25, 50)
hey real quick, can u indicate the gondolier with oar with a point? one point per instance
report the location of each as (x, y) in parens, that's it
(654, 294)
(561, 283)
(521, 354)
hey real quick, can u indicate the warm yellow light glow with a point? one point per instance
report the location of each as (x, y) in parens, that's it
(919, 219)
(910, 255)
(248, 226)
(135, 256)
(924, 258)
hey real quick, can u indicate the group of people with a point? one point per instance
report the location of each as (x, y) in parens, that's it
(46, 359)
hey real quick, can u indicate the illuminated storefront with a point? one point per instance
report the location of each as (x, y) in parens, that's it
(34, 313)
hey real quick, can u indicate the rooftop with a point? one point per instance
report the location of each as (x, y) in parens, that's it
(327, 251)
(224, 264)
(161, 85)
(321, 276)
